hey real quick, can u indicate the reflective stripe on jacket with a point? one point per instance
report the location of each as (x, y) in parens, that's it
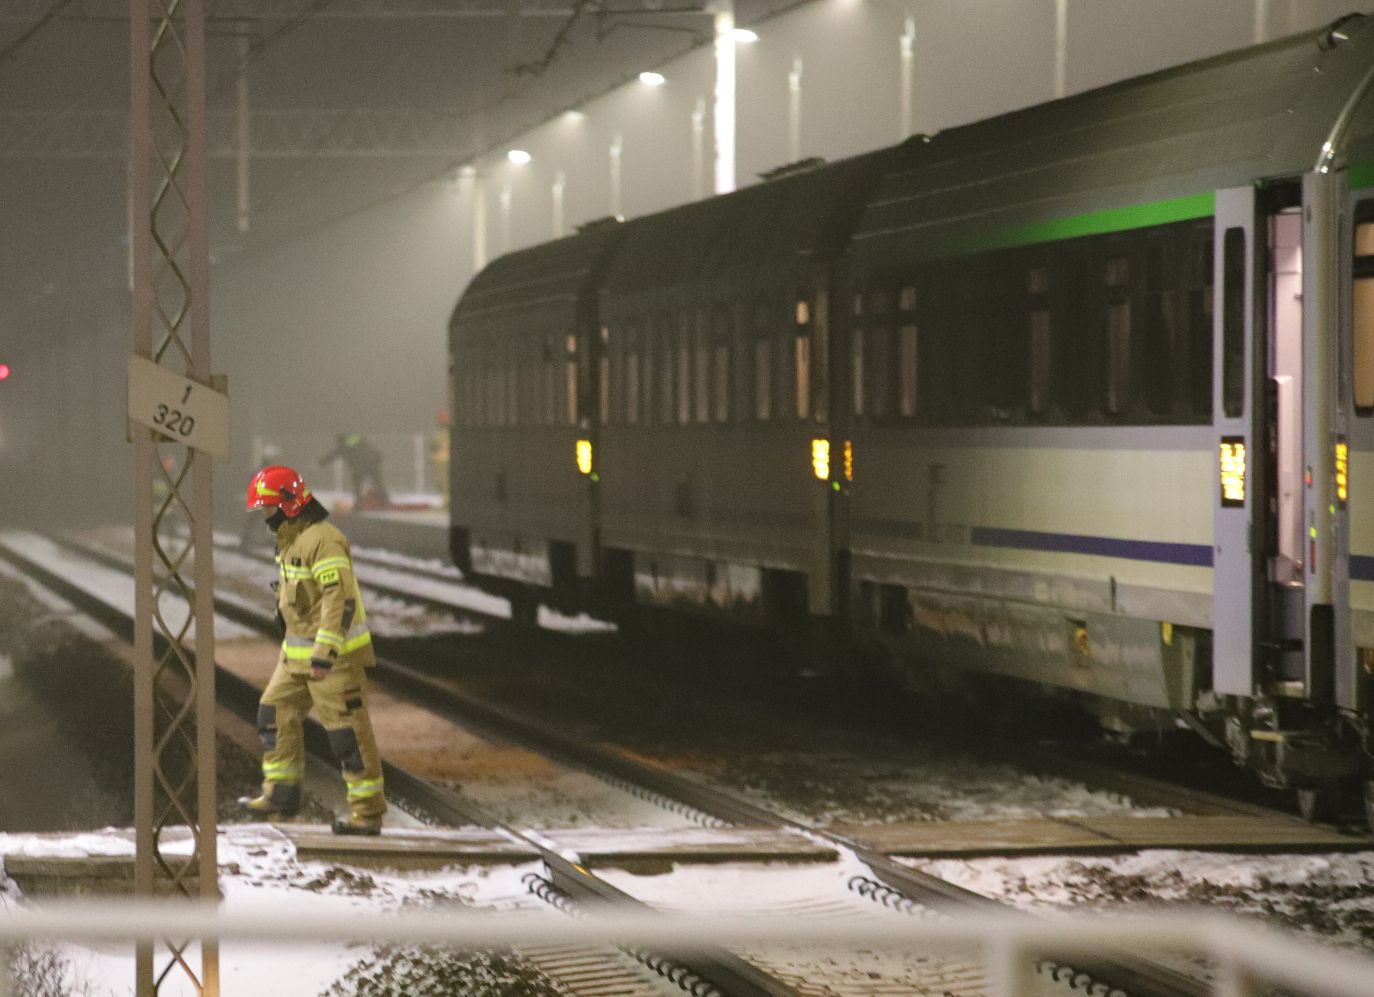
(319, 598)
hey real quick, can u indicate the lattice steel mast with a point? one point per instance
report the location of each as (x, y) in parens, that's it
(174, 689)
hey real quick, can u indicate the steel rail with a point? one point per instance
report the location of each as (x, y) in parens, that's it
(732, 974)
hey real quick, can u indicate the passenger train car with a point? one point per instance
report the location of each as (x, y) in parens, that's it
(1080, 396)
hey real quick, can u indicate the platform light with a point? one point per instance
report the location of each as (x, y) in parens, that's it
(744, 36)
(583, 452)
(518, 156)
(1232, 469)
(820, 458)
(651, 79)
(1342, 471)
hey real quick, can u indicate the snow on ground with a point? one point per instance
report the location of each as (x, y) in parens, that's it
(114, 588)
(433, 565)
(853, 788)
(1327, 896)
(259, 870)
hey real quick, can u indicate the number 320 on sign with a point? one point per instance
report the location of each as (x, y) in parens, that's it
(178, 408)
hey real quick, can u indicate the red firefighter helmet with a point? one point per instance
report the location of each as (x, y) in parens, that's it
(281, 487)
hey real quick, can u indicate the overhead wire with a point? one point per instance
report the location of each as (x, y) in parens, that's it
(28, 35)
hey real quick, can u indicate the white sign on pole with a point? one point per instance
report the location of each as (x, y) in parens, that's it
(180, 409)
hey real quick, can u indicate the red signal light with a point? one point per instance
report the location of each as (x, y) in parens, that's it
(4, 371)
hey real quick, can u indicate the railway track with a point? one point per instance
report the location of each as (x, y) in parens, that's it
(1146, 789)
(886, 881)
(711, 972)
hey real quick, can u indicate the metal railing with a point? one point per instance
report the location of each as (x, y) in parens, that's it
(1246, 958)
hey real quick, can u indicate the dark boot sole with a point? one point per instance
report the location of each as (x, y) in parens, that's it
(345, 828)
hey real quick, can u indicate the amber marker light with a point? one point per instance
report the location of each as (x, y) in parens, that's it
(584, 456)
(820, 459)
(848, 460)
(1342, 471)
(1232, 470)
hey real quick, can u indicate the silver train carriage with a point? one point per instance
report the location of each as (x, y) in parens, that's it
(1080, 396)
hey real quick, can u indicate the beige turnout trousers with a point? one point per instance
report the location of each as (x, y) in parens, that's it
(339, 698)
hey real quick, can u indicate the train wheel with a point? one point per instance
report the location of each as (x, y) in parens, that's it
(1319, 803)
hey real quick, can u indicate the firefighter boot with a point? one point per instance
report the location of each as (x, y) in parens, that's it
(356, 824)
(280, 799)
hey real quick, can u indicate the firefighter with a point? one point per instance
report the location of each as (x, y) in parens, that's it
(325, 648)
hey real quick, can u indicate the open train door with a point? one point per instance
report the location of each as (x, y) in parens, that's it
(1329, 667)
(1238, 380)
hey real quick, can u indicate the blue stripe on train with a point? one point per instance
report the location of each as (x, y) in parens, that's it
(1069, 543)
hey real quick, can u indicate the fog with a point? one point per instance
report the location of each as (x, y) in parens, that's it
(340, 325)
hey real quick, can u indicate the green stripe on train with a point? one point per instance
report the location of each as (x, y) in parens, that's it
(1134, 216)
(1361, 175)
(1057, 229)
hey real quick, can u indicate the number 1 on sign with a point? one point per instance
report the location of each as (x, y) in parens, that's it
(187, 396)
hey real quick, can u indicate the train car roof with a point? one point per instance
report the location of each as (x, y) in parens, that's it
(1162, 143)
(737, 237)
(544, 281)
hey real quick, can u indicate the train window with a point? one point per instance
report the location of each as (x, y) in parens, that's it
(604, 378)
(856, 367)
(820, 355)
(763, 379)
(1118, 275)
(801, 360)
(1156, 346)
(702, 368)
(684, 369)
(495, 407)
(1039, 340)
(1038, 400)
(858, 304)
(906, 301)
(646, 373)
(878, 356)
(1233, 323)
(630, 375)
(1362, 311)
(665, 370)
(761, 364)
(907, 399)
(720, 370)
(548, 403)
(1200, 330)
(570, 380)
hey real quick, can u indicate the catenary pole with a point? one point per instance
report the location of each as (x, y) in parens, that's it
(174, 437)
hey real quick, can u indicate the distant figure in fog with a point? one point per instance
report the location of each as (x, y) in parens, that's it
(439, 442)
(364, 462)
